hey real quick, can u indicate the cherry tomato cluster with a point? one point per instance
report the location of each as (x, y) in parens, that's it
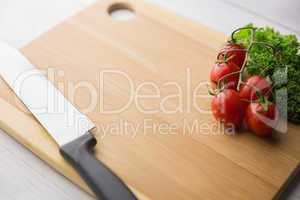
(243, 104)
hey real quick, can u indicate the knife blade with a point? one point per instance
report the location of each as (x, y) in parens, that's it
(67, 126)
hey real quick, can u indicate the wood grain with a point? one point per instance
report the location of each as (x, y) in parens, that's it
(155, 46)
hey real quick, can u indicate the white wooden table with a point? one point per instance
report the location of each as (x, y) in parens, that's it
(22, 175)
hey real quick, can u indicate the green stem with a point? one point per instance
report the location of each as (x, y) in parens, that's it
(246, 59)
(251, 44)
(239, 29)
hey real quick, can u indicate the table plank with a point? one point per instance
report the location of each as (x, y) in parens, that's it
(227, 15)
(283, 13)
(24, 176)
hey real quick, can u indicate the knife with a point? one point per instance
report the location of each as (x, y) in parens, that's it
(68, 127)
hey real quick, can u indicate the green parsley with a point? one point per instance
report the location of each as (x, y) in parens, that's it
(276, 57)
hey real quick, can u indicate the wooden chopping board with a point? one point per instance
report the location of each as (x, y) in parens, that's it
(172, 149)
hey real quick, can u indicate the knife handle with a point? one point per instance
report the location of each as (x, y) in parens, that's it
(103, 182)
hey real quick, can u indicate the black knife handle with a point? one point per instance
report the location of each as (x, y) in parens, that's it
(102, 181)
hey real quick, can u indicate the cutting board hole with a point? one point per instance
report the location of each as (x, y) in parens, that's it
(121, 11)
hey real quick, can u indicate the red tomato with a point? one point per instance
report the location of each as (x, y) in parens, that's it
(254, 84)
(259, 121)
(227, 108)
(233, 53)
(222, 69)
